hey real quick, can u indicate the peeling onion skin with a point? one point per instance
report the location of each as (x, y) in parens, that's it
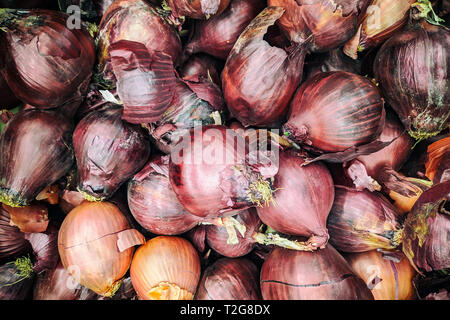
(135, 20)
(259, 80)
(217, 236)
(334, 111)
(302, 201)
(166, 268)
(47, 65)
(301, 275)
(427, 230)
(197, 9)
(230, 279)
(87, 245)
(109, 151)
(35, 152)
(329, 23)
(153, 203)
(388, 280)
(361, 221)
(217, 35)
(412, 68)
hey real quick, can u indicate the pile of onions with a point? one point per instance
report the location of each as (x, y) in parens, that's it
(229, 279)
(139, 21)
(197, 9)
(154, 204)
(217, 35)
(303, 198)
(16, 279)
(329, 23)
(427, 230)
(301, 275)
(47, 64)
(382, 19)
(361, 221)
(411, 68)
(166, 268)
(336, 112)
(210, 173)
(259, 80)
(95, 244)
(387, 279)
(108, 151)
(34, 153)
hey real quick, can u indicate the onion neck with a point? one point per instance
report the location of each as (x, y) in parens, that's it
(90, 197)
(271, 237)
(24, 266)
(231, 225)
(11, 198)
(112, 289)
(425, 11)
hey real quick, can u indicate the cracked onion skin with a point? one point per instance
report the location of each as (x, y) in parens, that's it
(412, 70)
(258, 79)
(197, 9)
(302, 201)
(230, 279)
(300, 275)
(334, 111)
(153, 203)
(88, 246)
(108, 151)
(217, 35)
(47, 65)
(35, 152)
(166, 268)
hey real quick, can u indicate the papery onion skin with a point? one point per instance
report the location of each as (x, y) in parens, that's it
(387, 279)
(166, 268)
(135, 20)
(153, 202)
(35, 151)
(437, 163)
(47, 64)
(301, 275)
(302, 201)
(412, 70)
(200, 67)
(361, 221)
(334, 111)
(197, 9)
(329, 23)
(427, 229)
(219, 183)
(382, 19)
(88, 246)
(45, 248)
(29, 219)
(259, 80)
(230, 279)
(217, 35)
(12, 240)
(108, 152)
(217, 236)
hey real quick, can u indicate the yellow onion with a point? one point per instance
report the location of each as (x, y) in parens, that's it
(387, 279)
(166, 268)
(95, 244)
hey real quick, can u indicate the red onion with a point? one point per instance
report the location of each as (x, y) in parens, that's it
(46, 64)
(12, 240)
(216, 183)
(382, 19)
(153, 202)
(329, 23)
(302, 201)
(411, 68)
(336, 112)
(427, 230)
(300, 275)
(34, 152)
(200, 67)
(45, 248)
(197, 236)
(197, 9)
(229, 279)
(16, 279)
(217, 35)
(108, 151)
(137, 21)
(259, 80)
(361, 221)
